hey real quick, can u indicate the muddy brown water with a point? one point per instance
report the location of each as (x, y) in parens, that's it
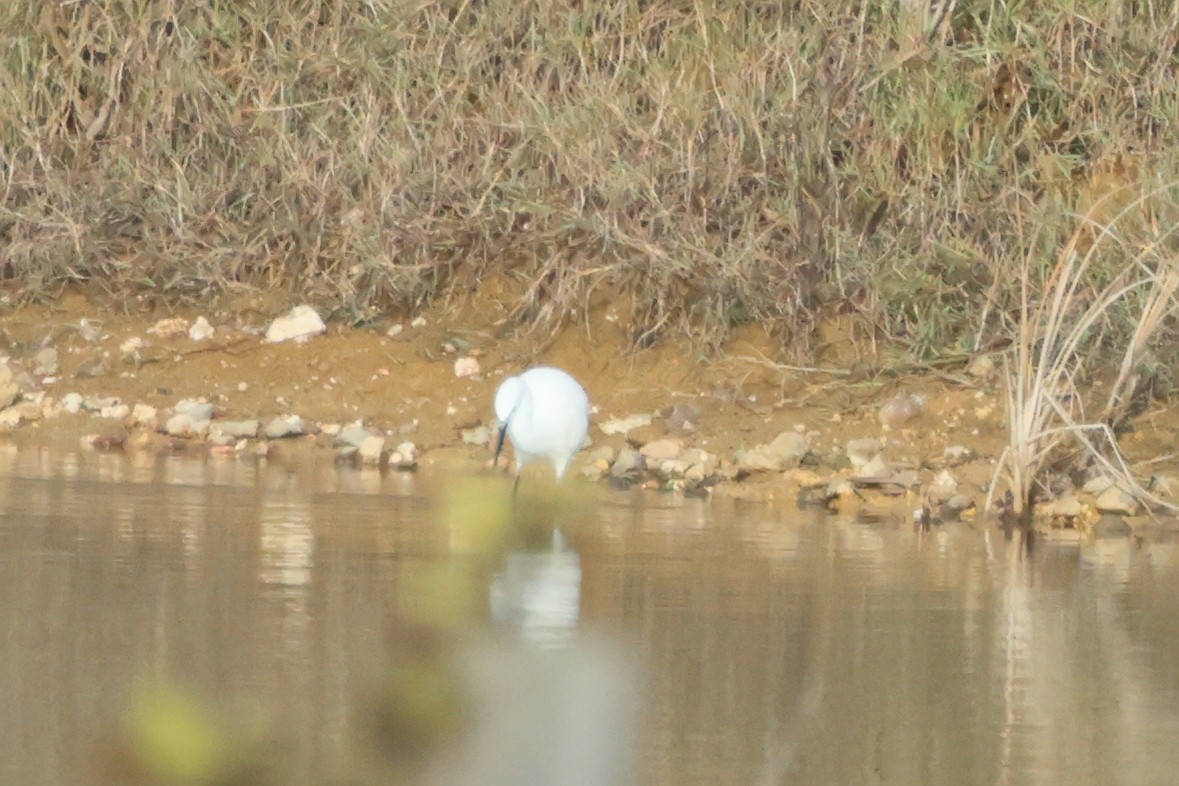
(753, 647)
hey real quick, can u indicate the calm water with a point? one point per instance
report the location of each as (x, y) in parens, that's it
(768, 649)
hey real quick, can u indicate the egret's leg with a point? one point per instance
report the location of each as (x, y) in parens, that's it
(560, 545)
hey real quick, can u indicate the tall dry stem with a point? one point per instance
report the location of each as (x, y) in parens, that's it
(1057, 335)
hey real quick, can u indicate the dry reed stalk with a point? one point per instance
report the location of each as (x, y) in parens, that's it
(1049, 355)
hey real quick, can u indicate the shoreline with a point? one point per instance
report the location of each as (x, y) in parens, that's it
(915, 450)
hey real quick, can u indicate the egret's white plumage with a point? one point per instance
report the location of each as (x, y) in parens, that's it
(545, 412)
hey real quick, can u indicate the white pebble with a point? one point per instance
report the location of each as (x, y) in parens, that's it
(200, 330)
(466, 367)
(72, 402)
(300, 324)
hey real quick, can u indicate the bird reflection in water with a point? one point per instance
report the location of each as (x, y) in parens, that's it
(538, 593)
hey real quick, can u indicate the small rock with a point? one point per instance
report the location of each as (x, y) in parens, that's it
(1097, 485)
(861, 451)
(219, 443)
(45, 362)
(790, 447)
(72, 402)
(466, 367)
(1067, 507)
(115, 412)
(802, 477)
(98, 403)
(404, 456)
(751, 460)
(194, 408)
(641, 435)
(236, 429)
(662, 450)
(904, 477)
(958, 454)
(786, 452)
(395, 330)
(22, 412)
(372, 448)
(10, 418)
(943, 487)
(353, 435)
(1117, 500)
(144, 415)
(418, 322)
(177, 425)
(479, 436)
(623, 425)
(171, 327)
(131, 345)
(300, 323)
(200, 330)
(9, 390)
(706, 462)
(900, 409)
(289, 426)
(628, 463)
(89, 329)
(25, 383)
(981, 367)
(876, 468)
(681, 417)
(184, 425)
(957, 503)
(672, 468)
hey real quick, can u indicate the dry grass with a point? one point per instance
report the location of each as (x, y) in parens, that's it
(1063, 326)
(704, 164)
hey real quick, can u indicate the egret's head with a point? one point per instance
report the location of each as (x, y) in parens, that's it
(507, 398)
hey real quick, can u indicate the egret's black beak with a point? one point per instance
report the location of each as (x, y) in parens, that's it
(499, 445)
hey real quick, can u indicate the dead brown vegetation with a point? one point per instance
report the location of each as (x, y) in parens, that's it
(718, 162)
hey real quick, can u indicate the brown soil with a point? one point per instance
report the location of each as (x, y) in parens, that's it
(392, 383)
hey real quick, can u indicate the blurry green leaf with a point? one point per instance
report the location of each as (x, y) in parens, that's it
(175, 738)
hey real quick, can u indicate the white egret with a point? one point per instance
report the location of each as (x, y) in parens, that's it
(546, 413)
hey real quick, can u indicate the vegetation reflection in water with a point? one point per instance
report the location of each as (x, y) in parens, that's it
(455, 702)
(268, 624)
